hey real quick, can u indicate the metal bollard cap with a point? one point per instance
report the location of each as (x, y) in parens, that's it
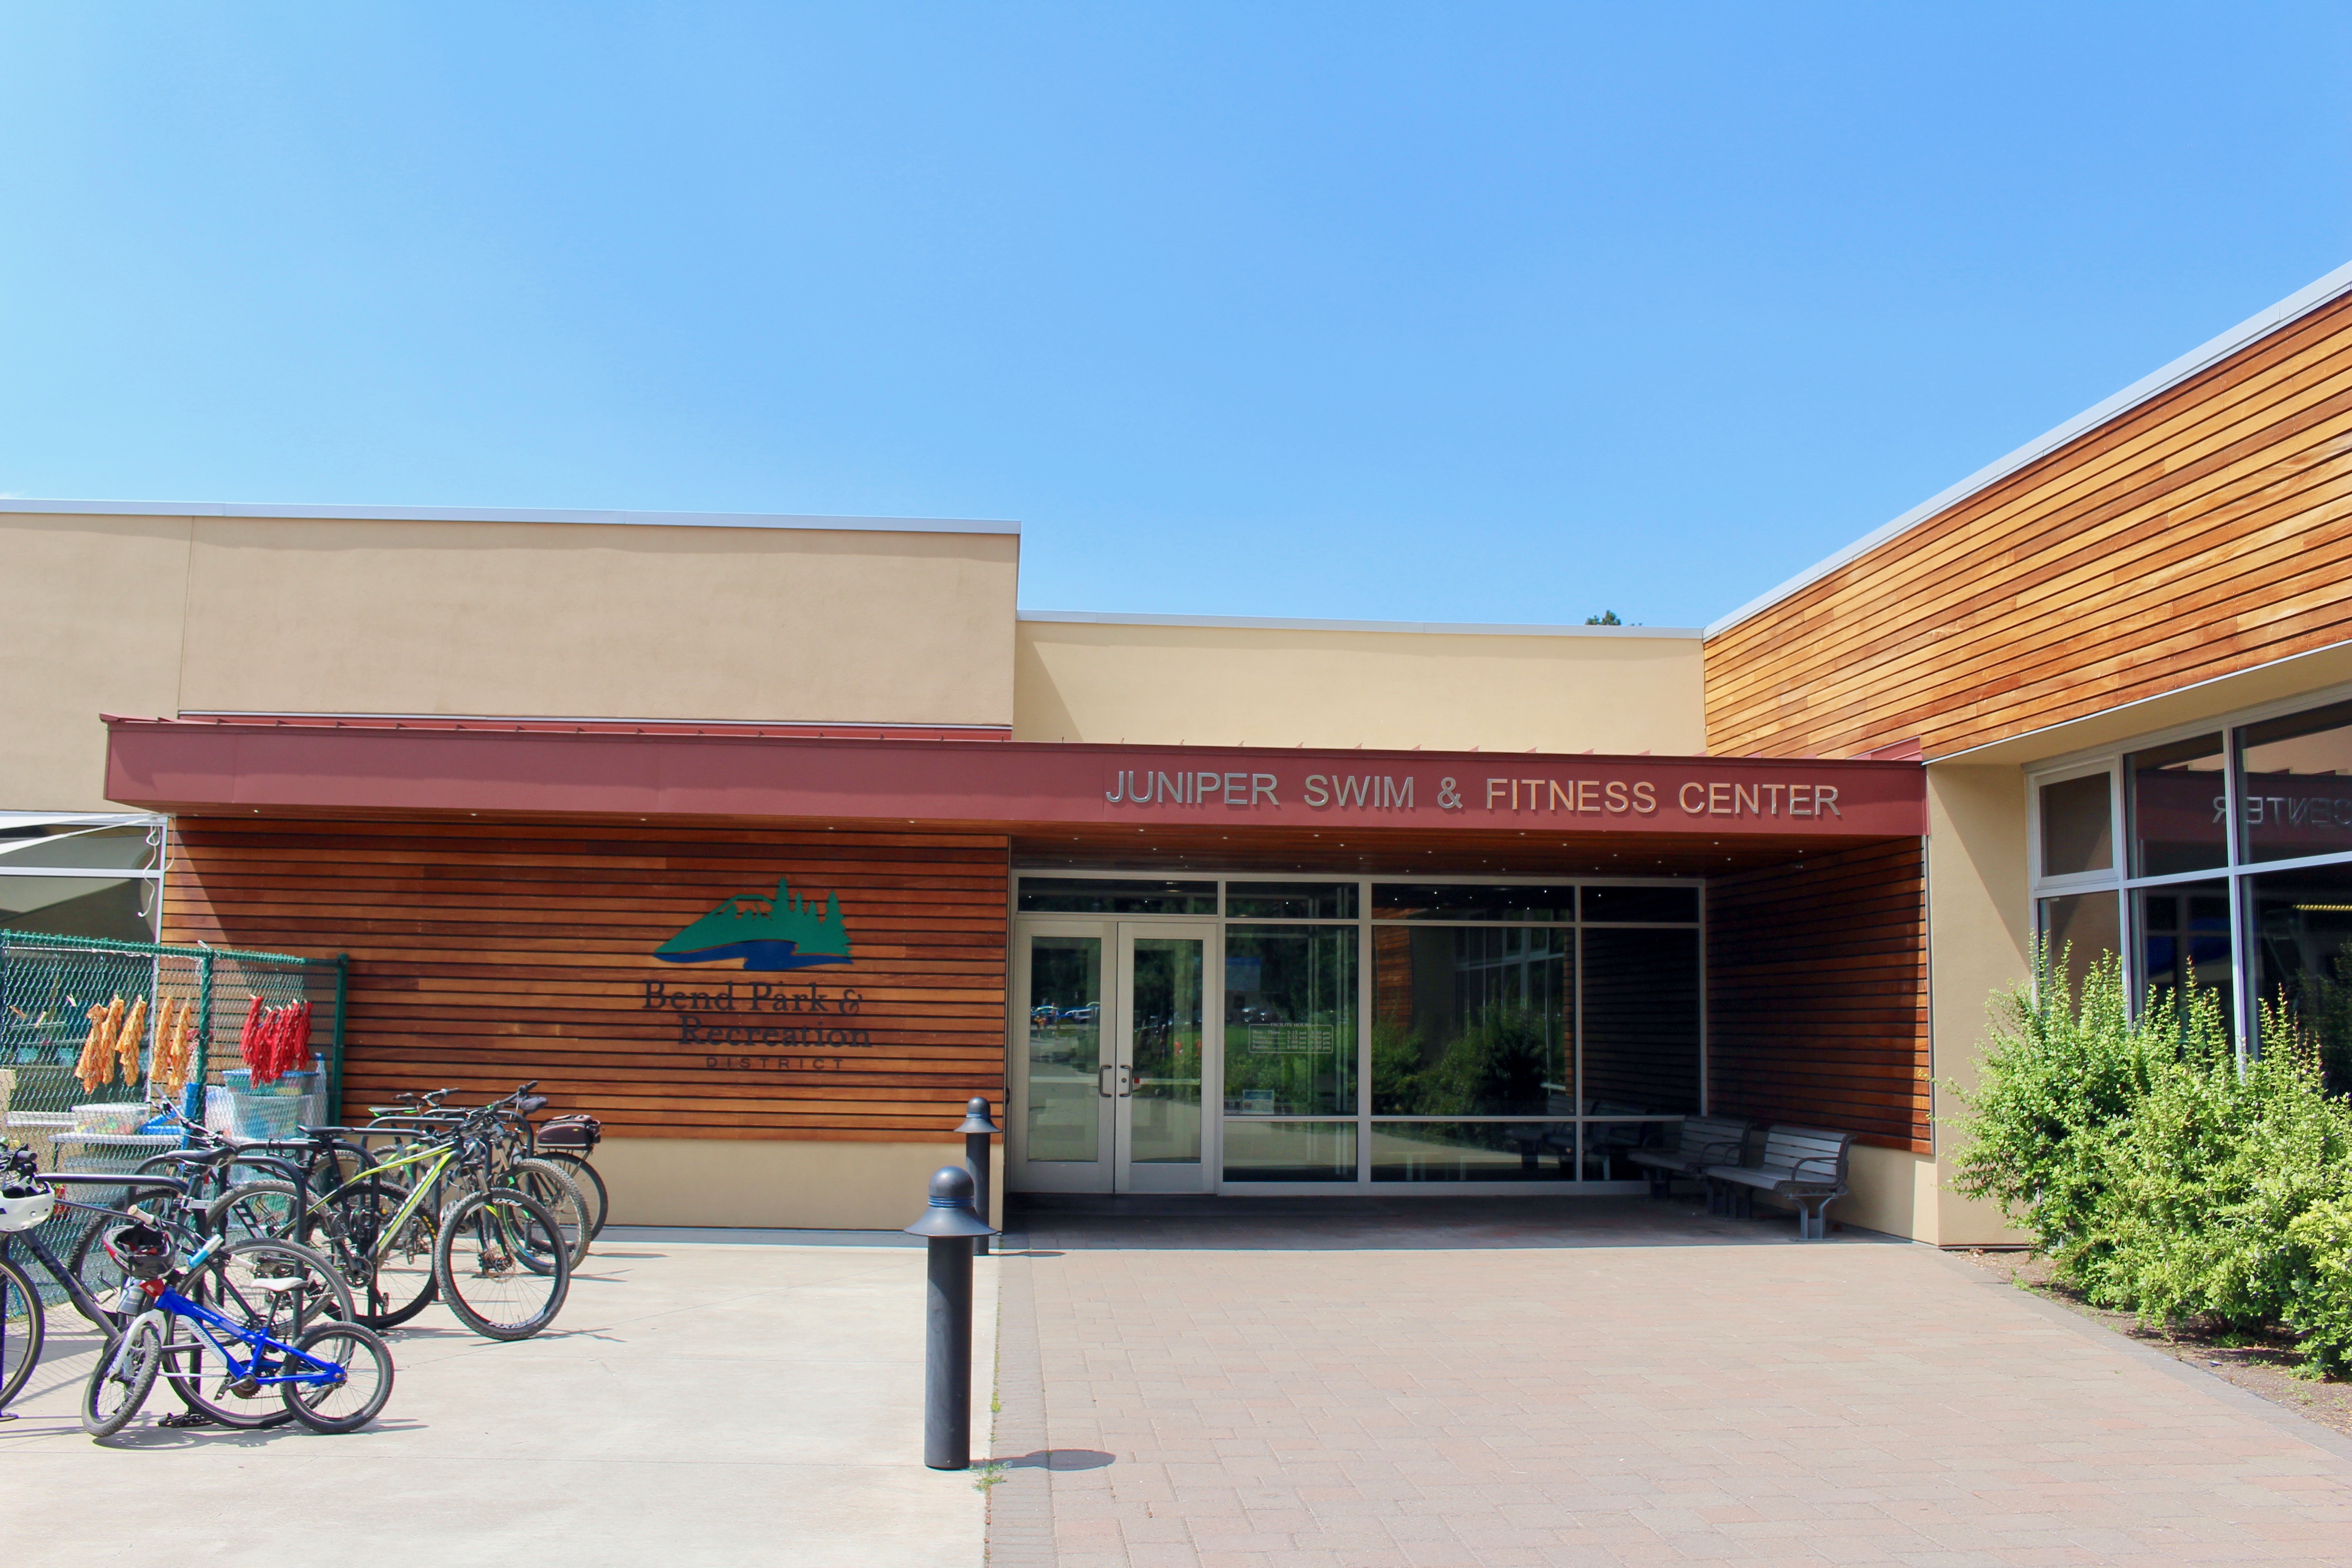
(950, 1212)
(975, 1117)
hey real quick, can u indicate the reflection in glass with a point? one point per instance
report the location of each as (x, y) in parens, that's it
(2077, 829)
(1290, 1021)
(2180, 810)
(1164, 1052)
(1641, 903)
(1291, 900)
(2078, 932)
(1104, 896)
(2297, 794)
(1471, 901)
(1473, 1020)
(1640, 1021)
(1474, 1151)
(1064, 1047)
(2303, 945)
(1289, 1151)
(121, 908)
(2184, 933)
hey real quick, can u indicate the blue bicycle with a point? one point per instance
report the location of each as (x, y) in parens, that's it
(333, 1376)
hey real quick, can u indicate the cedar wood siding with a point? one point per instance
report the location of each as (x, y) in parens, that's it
(1817, 995)
(485, 953)
(2199, 533)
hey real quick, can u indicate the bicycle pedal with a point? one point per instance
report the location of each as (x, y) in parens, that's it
(186, 1419)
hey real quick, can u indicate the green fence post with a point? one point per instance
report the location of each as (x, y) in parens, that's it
(335, 1070)
(196, 1079)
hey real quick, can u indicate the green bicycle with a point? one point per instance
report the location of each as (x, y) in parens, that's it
(495, 1254)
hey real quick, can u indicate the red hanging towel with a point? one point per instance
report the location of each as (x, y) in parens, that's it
(298, 1052)
(281, 1021)
(248, 1039)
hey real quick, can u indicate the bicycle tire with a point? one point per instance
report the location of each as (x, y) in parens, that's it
(118, 1385)
(247, 1285)
(99, 1273)
(392, 1274)
(478, 1264)
(591, 1184)
(347, 1405)
(553, 1187)
(270, 1209)
(23, 1326)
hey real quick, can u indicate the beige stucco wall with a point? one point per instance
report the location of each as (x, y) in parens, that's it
(158, 616)
(814, 1185)
(93, 624)
(1980, 940)
(584, 619)
(1160, 684)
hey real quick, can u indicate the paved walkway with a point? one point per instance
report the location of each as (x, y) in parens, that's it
(698, 1402)
(1601, 1382)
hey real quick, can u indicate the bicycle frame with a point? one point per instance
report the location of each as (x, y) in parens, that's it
(169, 1303)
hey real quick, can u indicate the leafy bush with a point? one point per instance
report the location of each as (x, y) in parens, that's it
(2159, 1174)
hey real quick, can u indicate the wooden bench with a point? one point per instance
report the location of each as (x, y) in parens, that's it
(1700, 1142)
(1805, 1165)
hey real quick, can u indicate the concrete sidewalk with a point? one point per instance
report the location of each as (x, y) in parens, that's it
(756, 1399)
(1492, 1384)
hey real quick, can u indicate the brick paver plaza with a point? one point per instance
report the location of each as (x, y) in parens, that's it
(1601, 1382)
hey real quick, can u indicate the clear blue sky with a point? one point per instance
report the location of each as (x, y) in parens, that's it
(1451, 311)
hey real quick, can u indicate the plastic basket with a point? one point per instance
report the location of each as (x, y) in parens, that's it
(113, 1116)
(108, 1153)
(267, 1116)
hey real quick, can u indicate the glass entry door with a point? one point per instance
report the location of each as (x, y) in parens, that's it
(1113, 1026)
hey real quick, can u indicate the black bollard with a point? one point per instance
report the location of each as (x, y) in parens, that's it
(948, 1227)
(977, 1130)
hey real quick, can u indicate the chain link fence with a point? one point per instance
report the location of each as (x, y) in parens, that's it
(172, 1020)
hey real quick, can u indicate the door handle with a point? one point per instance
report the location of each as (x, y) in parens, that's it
(1126, 1082)
(1102, 1083)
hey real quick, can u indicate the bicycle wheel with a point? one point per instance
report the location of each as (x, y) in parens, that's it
(388, 1260)
(272, 1287)
(590, 1184)
(118, 1384)
(354, 1400)
(553, 1187)
(99, 1273)
(22, 1327)
(270, 1209)
(478, 1260)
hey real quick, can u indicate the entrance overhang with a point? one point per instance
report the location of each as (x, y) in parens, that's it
(1040, 793)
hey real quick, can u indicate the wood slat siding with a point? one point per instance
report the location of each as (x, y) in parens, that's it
(2205, 531)
(1817, 996)
(483, 955)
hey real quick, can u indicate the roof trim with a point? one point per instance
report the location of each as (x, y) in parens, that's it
(21, 504)
(2300, 303)
(1285, 624)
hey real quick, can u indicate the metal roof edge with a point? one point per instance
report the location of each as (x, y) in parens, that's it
(2300, 303)
(1286, 624)
(23, 504)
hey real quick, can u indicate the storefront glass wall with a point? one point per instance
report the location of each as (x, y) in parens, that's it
(1518, 1031)
(2239, 869)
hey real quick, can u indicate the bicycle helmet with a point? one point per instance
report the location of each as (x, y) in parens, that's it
(142, 1251)
(24, 1202)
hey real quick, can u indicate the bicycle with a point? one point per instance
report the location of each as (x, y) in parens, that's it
(333, 1376)
(497, 1257)
(565, 1142)
(297, 1278)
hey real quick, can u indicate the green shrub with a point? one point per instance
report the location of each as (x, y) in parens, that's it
(2159, 1174)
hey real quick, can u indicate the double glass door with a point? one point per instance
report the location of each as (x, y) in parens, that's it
(1114, 1025)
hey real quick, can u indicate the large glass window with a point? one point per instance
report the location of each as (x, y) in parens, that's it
(2298, 784)
(2079, 929)
(2077, 826)
(1473, 1021)
(2181, 819)
(2302, 958)
(1640, 1022)
(2184, 941)
(1290, 1021)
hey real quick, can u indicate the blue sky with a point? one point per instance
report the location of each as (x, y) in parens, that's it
(1453, 312)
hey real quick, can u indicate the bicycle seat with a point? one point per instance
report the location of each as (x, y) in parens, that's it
(532, 1104)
